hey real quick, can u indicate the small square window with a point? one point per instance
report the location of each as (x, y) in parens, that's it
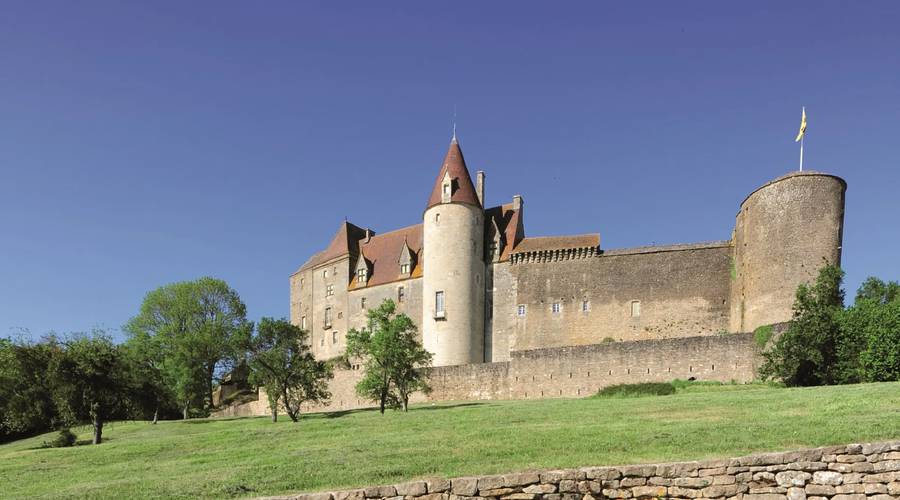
(329, 290)
(556, 307)
(520, 311)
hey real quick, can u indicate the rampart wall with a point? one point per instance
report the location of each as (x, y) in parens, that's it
(575, 371)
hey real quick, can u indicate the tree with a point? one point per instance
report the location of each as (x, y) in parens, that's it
(873, 326)
(392, 357)
(877, 290)
(26, 401)
(809, 352)
(192, 332)
(90, 382)
(281, 360)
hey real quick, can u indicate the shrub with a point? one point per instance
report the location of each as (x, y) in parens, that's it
(636, 390)
(64, 439)
(762, 335)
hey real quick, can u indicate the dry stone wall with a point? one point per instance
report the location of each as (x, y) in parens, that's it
(851, 472)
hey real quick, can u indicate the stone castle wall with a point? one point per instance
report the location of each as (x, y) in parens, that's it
(575, 371)
(850, 472)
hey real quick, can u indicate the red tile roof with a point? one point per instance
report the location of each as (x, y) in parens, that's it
(344, 239)
(383, 252)
(558, 243)
(463, 191)
(509, 222)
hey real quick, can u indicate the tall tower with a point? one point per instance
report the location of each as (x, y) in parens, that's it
(453, 275)
(784, 233)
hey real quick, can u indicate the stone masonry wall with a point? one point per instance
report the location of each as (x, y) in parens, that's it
(575, 371)
(851, 472)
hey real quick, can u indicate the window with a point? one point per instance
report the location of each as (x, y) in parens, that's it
(556, 308)
(361, 275)
(325, 273)
(401, 294)
(520, 311)
(635, 308)
(404, 268)
(322, 342)
(492, 249)
(362, 303)
(327, 317)
(334, 337)
(437, 218)
(303, 323)
(585, 305)
(340, 314)
(329, 290)
(439, 304)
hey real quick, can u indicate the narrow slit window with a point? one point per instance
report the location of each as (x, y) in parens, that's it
(439, 304)
(635, 308)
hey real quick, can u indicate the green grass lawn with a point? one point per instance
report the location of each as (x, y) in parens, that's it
(252, 456)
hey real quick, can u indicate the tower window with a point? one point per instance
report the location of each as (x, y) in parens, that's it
(325, 273)
(401, 294)
(362, 303)
(437, 218)
(327, 317)
(556, 307)
(439, 304)
(520, 310)
(303, 323)
(334, 337)
(585, 305)
(635, 308)
(404, 268)
(329, 290)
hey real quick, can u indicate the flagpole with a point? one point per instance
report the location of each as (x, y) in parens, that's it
(801, 153)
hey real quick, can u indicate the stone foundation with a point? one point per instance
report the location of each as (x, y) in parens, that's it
(851, 472)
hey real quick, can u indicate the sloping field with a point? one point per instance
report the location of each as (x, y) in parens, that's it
(252, 457)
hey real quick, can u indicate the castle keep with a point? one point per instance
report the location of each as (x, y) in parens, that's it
(481, 291)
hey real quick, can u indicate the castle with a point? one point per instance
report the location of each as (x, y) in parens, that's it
(480, 290)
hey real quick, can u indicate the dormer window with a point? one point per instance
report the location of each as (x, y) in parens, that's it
(404, 268)
(446, 188)
(362, 275)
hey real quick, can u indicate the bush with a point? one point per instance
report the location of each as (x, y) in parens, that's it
(762, 335)
(637, 390)
(64, 439)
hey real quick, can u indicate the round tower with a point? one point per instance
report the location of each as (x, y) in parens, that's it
(784, 233)
(453, 273)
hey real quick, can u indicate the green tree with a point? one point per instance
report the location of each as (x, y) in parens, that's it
(808, 353)
(392, 357)
(26, 400)
(281, 360)
(871, 328)
(90, 382)
(192, 331)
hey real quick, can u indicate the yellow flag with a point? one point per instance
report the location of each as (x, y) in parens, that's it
(802, 126)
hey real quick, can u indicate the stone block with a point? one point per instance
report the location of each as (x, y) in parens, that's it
(649, 491)
(586, 487)
(380, 492)
(633, 481)
(438, 485)
(892, 455)
(827, 477)
(568, 486)
(611, 493)
(490, 483)
(850, 488)
(796, 493)
(692, 482)
(837, 467)
(435, 496)
(764, 477)
(792, 478)
(601, 473)
(870, 449)
(820, 489)
(874, 488)
(521, 479)
(806, 466)
(314, 496)
(638, 470)
(520, 496)
(762, 459)
(722, 490)
(724, 479)
(678, 491)
(887, 466)
(540, 488)
(763, 496)
(853, 477)
(555, 476)
(498, 492)
(881, 497)
(711, 472)
(680, 469)
(848, 497)
(465, 486)
(893, 488)
(349, 495)
(413, 488)
(851, 459)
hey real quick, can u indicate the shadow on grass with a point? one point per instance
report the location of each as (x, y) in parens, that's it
(412, 409)
(211, 420)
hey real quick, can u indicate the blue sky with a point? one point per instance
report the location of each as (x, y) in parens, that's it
(146, 143)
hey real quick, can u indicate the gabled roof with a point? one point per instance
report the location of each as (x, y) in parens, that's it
(509, 223)
(383, 253)
(342, 243)
(463, 190)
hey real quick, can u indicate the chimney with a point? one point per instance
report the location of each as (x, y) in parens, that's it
(369, 234)
(479, 186)
(517, 202)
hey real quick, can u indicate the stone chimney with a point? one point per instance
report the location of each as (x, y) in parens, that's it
(369, 234)
(517, 202)
(479, 186)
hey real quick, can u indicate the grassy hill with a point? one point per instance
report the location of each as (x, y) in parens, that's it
(252, 456)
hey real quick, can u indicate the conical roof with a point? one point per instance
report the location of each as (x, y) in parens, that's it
(462, 191)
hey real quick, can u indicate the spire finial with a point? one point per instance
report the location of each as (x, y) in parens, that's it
(454, 125)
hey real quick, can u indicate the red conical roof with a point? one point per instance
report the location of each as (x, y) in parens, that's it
(462, 191)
